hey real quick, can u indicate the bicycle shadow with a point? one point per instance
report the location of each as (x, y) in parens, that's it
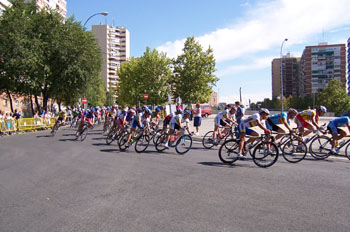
(65, 140)
(110, 150)
(44, 136)
(233, 165)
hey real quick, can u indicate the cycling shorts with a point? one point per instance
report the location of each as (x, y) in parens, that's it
(332, 128)
(166, 121)
(136, 124)
(175, 126)
(271, 126)
(302, 122)
(243, 129)
(60, 119)
(219, 122)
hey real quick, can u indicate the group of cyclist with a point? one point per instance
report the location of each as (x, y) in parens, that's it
(307, 121)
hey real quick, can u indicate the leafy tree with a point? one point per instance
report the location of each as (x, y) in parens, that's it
(193, 71)
(110, 96)
(43, 55)
(148, 74)
(334, 97)
(96, 93)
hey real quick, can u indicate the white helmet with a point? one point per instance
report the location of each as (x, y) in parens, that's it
(323, 109)
(264, 110)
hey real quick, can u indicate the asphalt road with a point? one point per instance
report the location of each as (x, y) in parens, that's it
(57, 184)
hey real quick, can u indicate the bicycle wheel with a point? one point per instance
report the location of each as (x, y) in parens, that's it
(294, 150)
(228, 152)
(347, 151)
(264, 158)
(207, 140)
(183, 144)
(156, 135)
(320, 147)
(110, 137)
(142, 143)
(122, 142)
(84, 132)
(160, 143)
(54, 129)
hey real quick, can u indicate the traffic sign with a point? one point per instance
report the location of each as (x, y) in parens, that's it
(145, 96)
(84, 100)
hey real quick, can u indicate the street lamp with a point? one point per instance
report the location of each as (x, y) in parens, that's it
(282, 100)
(101, 13)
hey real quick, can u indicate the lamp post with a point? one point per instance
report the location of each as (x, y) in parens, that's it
(101, 13)
(282, 100)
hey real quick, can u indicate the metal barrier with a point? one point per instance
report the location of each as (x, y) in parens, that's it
(8, 125)
(25, 124)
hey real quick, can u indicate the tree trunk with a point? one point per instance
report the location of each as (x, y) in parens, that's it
(9, 96)
(37, 104)
(31, 104)
(45, 99)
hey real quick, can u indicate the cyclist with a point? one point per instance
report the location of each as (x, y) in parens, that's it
(274, 122)
(337, 132)
(61, 118)
(304, 118)
(167, 121)
(136, 123)
(176, 124)
(245, 126)
(224, 119)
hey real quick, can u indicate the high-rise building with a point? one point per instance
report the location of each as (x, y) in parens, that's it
(349, 66)
(290, 74)
(115, 45)
(59, 5)
(320, 64)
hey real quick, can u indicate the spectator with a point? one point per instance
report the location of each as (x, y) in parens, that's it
(239, 111)
(197, 114)
(16, 115)
(36, 115)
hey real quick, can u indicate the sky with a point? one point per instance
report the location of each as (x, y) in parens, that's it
(246, 35)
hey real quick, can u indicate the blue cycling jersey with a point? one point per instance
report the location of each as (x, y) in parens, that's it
(278, 118)
(341, 121)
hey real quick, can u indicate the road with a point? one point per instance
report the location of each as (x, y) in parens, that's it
(58, 184)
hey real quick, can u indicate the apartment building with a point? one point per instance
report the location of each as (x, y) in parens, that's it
(115, 44)
(349, 66)
(59, 5)
(290, 74)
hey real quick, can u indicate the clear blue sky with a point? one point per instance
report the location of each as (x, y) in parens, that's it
(245, 35)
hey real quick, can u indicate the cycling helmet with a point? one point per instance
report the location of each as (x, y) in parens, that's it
(323, 109)
(293, 111)
(132, 111)
(157, 109)
(188, 112)
(139, 109)
(148, 111)
(264, 110)
(179, 111)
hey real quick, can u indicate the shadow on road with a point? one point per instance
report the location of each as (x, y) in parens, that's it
(110, 150)
(44, 136)
(222, 165)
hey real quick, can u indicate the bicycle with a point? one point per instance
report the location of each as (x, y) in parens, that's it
(83, 133)
(262, 157)
(139, 137)
(293, 149)
(321, 147)
(182, 142)
(55, 128)
(208, 141)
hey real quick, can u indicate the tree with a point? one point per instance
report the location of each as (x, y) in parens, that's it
(148, 74)
(110, 96)
(96, 93)
(45, 55)
(193, 72)
(334, 97)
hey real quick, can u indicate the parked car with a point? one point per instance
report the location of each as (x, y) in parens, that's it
(206, 110)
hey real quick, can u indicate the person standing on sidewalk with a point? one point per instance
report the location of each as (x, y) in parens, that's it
(197, 113)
